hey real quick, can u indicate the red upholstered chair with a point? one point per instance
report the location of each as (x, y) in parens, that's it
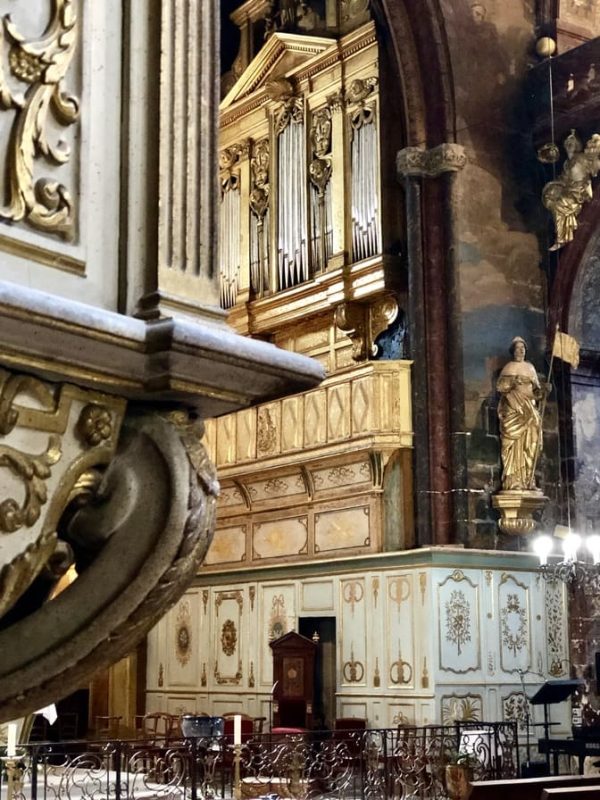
(247, 727)
(347, 729)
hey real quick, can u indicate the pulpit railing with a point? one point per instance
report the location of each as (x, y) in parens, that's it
(403, 762)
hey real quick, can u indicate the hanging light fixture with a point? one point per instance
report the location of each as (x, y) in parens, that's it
(580, 563)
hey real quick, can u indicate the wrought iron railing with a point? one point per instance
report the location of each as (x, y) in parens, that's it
(407, 762)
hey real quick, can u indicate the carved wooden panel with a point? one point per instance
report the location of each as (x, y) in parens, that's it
(400, 670)
(375, 399)
(228, 546)
(284, 537)
(515, 624)
(182, 628)
(342, 529)
(60, 127)
(246, 435)
(353, 646)
(556, 626)
(459, 623)
(317, 596)
(228, 616)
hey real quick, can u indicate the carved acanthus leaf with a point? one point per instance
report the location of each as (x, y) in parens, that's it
(41, 64)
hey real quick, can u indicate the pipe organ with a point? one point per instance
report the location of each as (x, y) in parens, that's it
(304, 226)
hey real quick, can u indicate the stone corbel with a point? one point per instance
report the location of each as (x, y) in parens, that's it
(417, 162)
(364, 322)
(107, 496)
(105, 518)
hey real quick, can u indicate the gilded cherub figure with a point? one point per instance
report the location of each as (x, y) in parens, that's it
(565, 196)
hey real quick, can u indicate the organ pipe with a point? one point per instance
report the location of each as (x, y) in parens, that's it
(229, 244)
(292, 248)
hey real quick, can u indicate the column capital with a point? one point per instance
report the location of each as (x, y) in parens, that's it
(418, 162)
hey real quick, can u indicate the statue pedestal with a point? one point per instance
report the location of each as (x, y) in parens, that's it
(517, 507)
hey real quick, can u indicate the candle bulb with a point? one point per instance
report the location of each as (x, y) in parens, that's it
(237, 729)
(11, 740)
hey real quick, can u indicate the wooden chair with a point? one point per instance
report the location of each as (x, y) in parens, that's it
(346, 729)
(107, 727)
(256, 722)
(247, 727)
(68, 726)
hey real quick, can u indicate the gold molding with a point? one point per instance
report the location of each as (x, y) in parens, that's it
(42, 255)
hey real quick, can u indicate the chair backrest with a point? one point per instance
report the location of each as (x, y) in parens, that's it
(350, 724)
(68, 725)
(107, 727)
(292, 713)
(247, 726)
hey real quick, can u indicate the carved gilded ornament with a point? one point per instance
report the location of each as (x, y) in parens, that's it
(266, 434)
(42, 65)
(292, 110)
(353, 670)
(514, 627)
(234, 680)
(353, 593)
(425, 675)
(401, 672)
(364, 322)
(183, 634)
(158, 536)
(30, 541)
(235, 595)
(375, 591)
(228, 637)
(399, 590)
(458, 620)
(251, 678)
(259, 169)
(555, 624)
(278, 620)
(516, 709)
(95, 424)
(320, 166)
(229, 161)
(461, 708)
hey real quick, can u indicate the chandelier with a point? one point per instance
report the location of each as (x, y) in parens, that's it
(580, 563)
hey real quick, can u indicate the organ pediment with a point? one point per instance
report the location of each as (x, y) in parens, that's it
(282, 53)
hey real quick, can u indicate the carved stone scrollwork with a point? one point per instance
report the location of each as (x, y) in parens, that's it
(42, 65)
(363, 322)
(416, 162)
(133, 515)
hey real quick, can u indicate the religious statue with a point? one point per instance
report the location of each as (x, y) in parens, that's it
(520, 420)
(565, 196)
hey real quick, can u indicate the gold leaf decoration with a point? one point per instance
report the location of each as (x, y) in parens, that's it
(41, 64)
(228, 637)
(33, 470)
